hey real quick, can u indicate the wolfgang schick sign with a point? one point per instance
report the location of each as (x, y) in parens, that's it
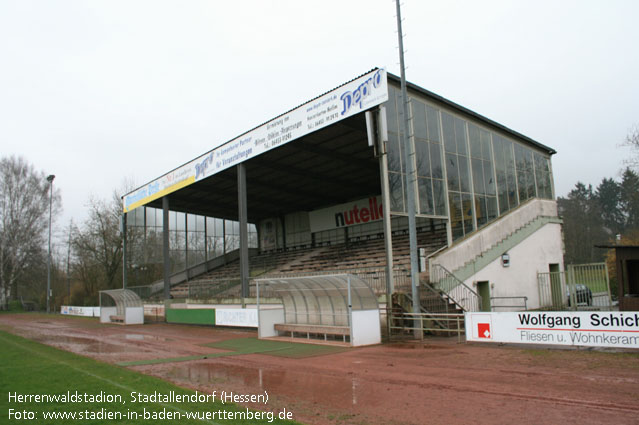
(592, 329)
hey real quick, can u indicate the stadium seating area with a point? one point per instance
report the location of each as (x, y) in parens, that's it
(363, 256)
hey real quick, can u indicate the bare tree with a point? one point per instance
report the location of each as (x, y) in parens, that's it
(97, 247)
(632, 141)
(24, 209)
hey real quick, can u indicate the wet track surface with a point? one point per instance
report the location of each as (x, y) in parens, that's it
(402, 383)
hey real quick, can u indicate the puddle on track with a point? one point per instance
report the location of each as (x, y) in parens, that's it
(335, 391)
(81, 345)
(143, 337)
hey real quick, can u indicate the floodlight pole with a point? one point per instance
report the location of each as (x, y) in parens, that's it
(409, 162)
(50, 180)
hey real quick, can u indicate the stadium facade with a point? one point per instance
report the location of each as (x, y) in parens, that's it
(327, 181)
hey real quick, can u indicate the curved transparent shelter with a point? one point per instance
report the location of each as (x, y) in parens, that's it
(121, 299)
(320, 300)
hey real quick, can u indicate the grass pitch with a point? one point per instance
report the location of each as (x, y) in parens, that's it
(29, 369)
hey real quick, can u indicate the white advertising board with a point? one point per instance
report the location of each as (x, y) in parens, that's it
(352, 98)
(592, 329)
(349, 214)
(80, 311)
(245, 317)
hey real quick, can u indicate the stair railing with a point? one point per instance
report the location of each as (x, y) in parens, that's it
(453, 288)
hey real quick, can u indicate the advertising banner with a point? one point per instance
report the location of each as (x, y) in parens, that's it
(591, 329)
(244, 317)
(352, 98)
(349, 214)
(80, 311)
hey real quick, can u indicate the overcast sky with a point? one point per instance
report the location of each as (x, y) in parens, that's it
(99, 92)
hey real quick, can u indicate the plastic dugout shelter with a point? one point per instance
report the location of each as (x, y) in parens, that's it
(122, 306)
(320, 305)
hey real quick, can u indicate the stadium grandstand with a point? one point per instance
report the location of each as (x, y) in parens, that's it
(321, 190)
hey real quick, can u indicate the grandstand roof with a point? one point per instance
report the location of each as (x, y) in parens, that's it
(326, 167)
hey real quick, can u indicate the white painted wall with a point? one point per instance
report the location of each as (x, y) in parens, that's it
(267, 320)
(134, 316)
(365, 329)
(531, 256)
(106, 313)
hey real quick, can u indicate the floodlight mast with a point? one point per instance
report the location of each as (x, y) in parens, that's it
(50, 178)
(409, 161)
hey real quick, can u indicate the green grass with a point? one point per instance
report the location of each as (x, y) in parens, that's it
(276, 348)
(28, 367)
(241, 346)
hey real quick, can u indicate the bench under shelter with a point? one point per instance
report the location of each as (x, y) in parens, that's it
(338, 308)
(121, 306)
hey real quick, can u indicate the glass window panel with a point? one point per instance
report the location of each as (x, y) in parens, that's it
(136, 217)
(454, 200)
(432, 117)
(439, 197)
(426, 205)
(489, 178)
(150, 217)
(436, 161)
(485, 144)
(452, 172)
(396, 184)
(190, 221)
(460, 136)
(394, 153)
(522, 184)
(467, 204)
(180, 221)
(481, 209)
(464, 174)
(419, 119)
(474, 140)
(478, 176)
(219, 227)
(172, 224)
(423, 158)
(448, 128)
(491, 208)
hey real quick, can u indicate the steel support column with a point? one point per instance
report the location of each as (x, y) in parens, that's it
(242, 214)
(165, 248)
(124, 253)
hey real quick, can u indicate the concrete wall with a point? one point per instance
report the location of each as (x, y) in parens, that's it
(529, 257)
(467, 249)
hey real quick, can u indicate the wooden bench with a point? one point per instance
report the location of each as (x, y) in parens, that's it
(116, 319)
(325, 330)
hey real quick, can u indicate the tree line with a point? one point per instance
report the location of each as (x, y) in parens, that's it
(603, 215)
(85, 259)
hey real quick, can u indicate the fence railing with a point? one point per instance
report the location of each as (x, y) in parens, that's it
(580, 287)
(427, 322)
(453, 288)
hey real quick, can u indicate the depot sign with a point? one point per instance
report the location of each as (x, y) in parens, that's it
(349, 214)
(591, 329)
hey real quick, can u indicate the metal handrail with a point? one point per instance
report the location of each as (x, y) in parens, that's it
(493, 307)
(456, 290)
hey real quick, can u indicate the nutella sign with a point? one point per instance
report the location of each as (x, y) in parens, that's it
(349, 214)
